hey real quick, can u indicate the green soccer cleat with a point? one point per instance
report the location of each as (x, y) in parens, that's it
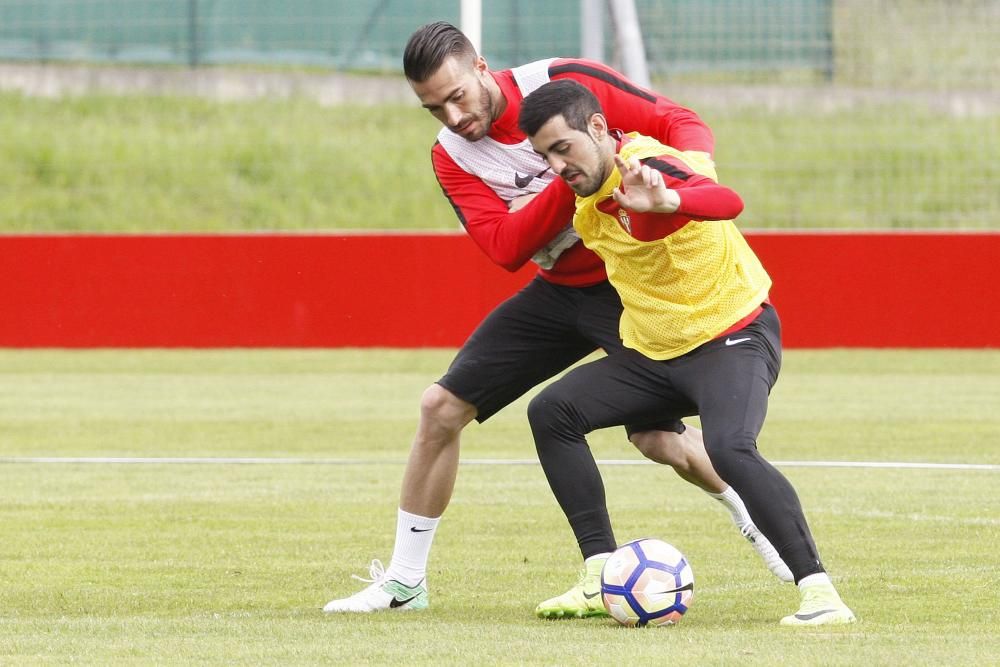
(581, 601)
(381, 593)
(821, 605)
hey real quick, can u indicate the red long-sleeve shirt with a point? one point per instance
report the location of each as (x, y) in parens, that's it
(510, 239)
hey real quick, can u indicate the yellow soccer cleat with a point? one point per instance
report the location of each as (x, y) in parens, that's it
(821, 605)
(581, 601)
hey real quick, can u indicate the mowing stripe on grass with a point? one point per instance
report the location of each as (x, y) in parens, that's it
(200, 460)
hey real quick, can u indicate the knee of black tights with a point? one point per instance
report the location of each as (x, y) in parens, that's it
(724, 451)
(550, 412)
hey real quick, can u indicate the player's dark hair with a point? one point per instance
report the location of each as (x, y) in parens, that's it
(566, 98)
(430, 46)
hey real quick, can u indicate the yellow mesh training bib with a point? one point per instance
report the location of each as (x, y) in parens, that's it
(681, 291)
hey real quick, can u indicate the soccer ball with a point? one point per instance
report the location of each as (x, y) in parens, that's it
(647, 582)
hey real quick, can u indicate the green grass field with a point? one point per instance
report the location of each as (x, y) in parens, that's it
(229, 563)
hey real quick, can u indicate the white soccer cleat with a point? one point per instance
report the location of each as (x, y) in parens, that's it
(767, 552)
(381, 593)
(821, 605)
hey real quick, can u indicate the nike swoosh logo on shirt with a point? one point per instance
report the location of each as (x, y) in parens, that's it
(735, 341)
(522, 181)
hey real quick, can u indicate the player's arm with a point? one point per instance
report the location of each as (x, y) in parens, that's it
(638, 109)
(664, 185)
(509, 238)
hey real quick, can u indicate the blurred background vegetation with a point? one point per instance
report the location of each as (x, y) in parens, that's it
(827, 113)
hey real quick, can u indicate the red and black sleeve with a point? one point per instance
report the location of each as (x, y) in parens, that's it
(509, 239)
(701, 197)
(636, 109)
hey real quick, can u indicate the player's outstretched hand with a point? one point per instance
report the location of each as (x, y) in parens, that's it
(643, 189)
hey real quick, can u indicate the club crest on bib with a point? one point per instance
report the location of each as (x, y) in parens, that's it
(624, 220)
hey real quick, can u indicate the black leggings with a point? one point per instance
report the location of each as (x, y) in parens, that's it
(727, 382)
(532, 336)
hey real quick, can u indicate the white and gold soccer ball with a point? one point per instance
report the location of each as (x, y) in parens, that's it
(647, 582)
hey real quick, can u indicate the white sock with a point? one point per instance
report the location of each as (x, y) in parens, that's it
(414, 535)
(814, 580)
(732, 502)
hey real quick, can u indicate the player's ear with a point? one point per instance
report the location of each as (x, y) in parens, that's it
(598, 126)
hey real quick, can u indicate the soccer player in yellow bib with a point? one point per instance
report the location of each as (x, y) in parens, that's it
(700, 335)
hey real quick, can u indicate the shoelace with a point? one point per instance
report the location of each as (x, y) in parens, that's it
(376, 571)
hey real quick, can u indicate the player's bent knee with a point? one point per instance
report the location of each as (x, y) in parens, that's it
(662, 447)
(538, 412)
(728, 453)
(439, 405)
(544, 410)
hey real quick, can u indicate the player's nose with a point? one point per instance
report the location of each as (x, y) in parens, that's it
(452, 115)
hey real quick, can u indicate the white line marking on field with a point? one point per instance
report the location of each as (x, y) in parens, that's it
(887, 464)
(215, 460)
(931, 518)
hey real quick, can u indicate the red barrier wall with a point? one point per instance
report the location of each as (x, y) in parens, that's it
(884, 289)
(430, 290)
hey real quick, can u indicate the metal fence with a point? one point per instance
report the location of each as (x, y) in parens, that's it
(368, 34)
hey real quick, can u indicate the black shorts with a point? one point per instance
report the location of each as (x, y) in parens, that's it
(532, 336)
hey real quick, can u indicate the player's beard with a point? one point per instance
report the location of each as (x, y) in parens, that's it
(592, 178)
(482, 117)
